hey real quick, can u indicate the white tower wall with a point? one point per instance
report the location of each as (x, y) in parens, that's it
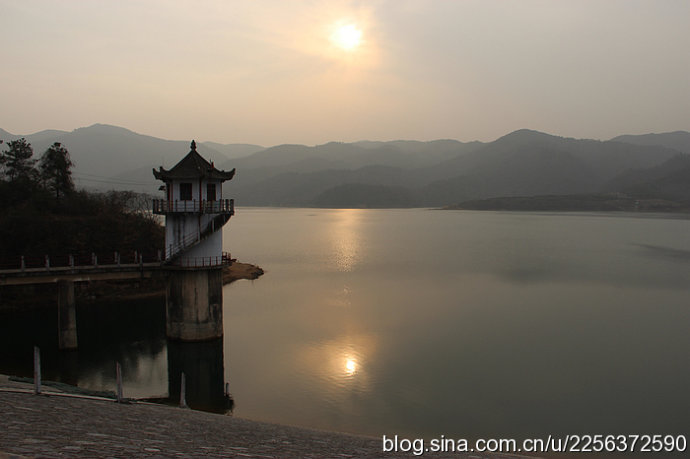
(194, 217)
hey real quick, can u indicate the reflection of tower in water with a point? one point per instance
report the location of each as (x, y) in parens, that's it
(202, 364)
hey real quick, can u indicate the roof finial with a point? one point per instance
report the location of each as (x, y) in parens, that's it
(193, 145)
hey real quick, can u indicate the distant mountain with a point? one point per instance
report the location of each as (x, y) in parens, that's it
(294, 175)
(111, 157)
(356, 195)
(6, 136)
(522, 163)
(678, 140)
(661, 188)
(234, 150)
(669, 180)
(383, 174)
(404, 154)
(525, 163)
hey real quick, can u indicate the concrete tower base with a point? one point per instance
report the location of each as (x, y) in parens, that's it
(194, 304)
(202, 364)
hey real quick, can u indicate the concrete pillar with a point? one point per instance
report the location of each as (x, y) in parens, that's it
(67, 316)
(202, 364)
(194, 304)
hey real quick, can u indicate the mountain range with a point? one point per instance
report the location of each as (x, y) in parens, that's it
(390, 174)
(110, 157)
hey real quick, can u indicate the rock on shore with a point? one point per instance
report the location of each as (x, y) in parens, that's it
(237, 271)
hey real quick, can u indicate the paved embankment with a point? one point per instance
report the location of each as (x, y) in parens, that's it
(60, 425)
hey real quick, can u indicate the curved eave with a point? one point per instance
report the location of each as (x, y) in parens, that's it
(214, 174)
(161, 174)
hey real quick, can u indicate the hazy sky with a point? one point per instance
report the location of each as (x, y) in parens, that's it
(271, 71)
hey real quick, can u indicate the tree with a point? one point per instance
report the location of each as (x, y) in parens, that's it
(17, 161)
(56, 170)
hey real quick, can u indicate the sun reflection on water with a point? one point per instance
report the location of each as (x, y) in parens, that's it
(346, 239)
(350, 366)
(340, 366)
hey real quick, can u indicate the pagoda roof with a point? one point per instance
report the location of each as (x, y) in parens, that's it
(192, 166)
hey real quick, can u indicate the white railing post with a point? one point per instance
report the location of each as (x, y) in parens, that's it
(23, 264)
(183, 391)
(47, 263)
(118, 379)
(71, 261)
(37, 370)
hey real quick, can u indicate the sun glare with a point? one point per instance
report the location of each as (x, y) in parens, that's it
(350, 366)
(347, 37)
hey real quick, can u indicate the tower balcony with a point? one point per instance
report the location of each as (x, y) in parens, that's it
(222, 206)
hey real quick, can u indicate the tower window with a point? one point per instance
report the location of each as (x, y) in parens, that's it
(211, 192)
(185, 191)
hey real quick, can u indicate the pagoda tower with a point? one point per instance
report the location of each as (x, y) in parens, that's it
(194, 217)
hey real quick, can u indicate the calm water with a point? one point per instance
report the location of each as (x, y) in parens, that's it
(422, 322)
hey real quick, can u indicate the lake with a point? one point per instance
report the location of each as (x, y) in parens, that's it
(421, 323)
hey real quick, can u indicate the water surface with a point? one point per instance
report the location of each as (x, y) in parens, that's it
(461, 323)
(420, 322)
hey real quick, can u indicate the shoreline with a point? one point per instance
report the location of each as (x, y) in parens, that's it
(241, 271)
(602, 202)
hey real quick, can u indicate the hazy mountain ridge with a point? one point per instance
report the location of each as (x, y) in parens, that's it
(405, 154)
(521, 163)
(678, 140)
(669, 180)
(394, 173)
(234, 150)
(111, 157)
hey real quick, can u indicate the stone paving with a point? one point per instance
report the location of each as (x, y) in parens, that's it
(61, 425)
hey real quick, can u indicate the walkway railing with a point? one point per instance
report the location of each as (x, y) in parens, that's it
(83, 260)
(110, 261)
(223, 206)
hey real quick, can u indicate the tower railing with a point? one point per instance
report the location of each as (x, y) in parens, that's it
(221, 206)
(204, 262)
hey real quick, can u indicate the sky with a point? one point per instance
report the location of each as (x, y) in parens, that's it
(311, 71)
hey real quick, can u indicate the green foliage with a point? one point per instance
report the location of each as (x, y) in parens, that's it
(55, 167)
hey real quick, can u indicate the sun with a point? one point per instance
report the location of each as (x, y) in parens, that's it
(347, 37)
